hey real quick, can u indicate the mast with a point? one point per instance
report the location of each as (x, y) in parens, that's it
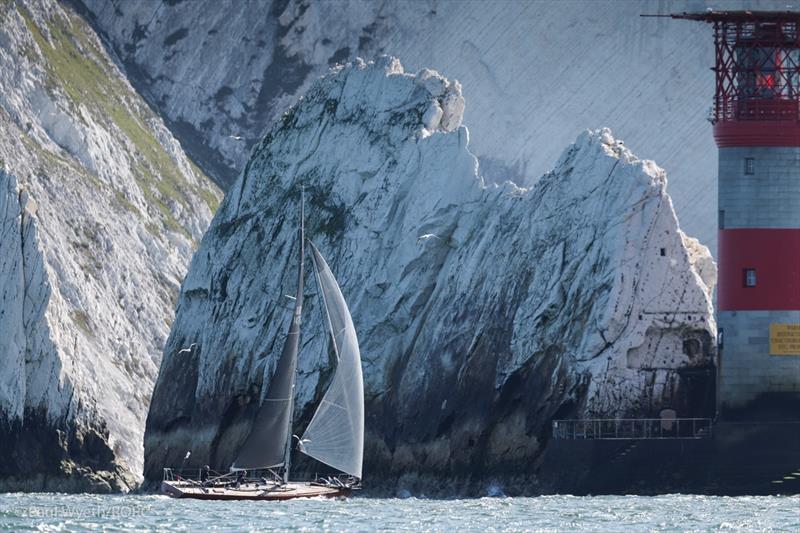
(296, 323)
(269, 443)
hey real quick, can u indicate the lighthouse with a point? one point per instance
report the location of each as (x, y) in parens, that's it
(756, 124)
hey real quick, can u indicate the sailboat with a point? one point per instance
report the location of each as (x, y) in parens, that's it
(335, 435)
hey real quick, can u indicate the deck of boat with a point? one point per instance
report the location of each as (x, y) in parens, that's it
(249, 491)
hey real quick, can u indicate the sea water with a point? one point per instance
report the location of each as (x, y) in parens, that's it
(60, 512)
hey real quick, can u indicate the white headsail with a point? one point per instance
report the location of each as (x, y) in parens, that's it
(335, 435)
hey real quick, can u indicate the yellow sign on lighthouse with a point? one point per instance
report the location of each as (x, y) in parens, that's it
(784, 339)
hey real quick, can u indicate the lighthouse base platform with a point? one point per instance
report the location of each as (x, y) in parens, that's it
(739, 458)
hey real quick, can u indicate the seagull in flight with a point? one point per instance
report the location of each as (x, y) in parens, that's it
(189, 350)
(427, 237)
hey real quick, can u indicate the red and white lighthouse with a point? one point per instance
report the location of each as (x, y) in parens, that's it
(757, 129)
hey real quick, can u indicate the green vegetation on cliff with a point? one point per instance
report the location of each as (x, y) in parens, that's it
(76, 66)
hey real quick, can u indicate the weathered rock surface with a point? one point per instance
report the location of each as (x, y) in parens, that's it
(100, 211)
(483, 311)
(535, 72)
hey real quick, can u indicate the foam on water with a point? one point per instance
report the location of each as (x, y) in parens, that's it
(59, 512)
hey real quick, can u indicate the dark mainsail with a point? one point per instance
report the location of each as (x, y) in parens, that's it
(268, 444)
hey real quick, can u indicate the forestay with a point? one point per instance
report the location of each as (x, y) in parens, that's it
(335, 435)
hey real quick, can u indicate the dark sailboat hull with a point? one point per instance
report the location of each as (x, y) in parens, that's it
(250, 491)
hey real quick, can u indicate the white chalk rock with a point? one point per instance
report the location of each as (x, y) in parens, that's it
(100, 211)
(482, 311)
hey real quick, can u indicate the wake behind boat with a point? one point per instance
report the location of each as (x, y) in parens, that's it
(335, 435)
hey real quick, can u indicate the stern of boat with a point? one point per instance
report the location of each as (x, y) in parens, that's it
(170, 488)
(170, 484)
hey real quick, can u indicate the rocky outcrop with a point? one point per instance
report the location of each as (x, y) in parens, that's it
(100, 212)
(483, 311)
(537, 72)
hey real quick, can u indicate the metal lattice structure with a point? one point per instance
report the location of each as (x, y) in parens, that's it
(757, 71)
(757, 64)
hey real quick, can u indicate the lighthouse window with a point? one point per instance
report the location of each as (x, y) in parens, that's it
(749, 277)
(749, 166)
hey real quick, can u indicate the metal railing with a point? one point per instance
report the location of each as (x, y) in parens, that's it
(195, 474)
(265, 475)
(632, 428)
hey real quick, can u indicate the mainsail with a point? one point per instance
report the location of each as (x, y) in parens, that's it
(335, 435)
(268, 444)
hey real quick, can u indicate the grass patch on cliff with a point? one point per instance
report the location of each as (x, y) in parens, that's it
(212, 200)
(79, 68)
(126, 204)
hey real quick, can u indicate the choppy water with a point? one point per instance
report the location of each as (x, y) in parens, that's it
(56, 512)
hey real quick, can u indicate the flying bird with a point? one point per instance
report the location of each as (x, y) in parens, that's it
(187, 351)
(426, 237)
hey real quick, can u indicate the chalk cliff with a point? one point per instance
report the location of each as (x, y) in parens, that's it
(483, 310)
(100, 211)
(221, 71)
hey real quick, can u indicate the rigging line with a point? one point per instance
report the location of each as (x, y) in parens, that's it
(325, 319)
(267, 375)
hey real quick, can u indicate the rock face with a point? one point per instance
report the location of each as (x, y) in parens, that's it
(483, 311)
(100, 212)
(536, 73)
